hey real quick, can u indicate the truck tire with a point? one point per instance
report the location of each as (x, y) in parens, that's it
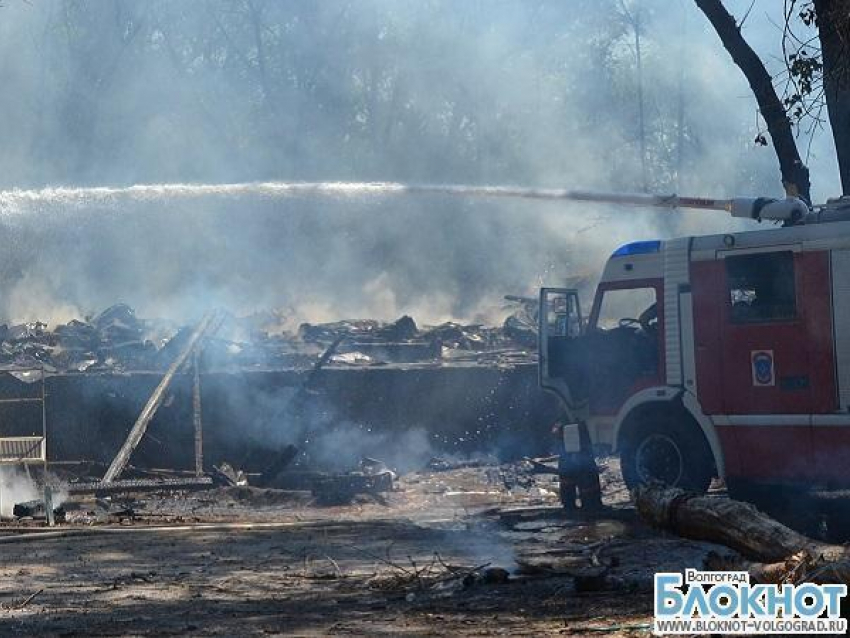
(667, 447)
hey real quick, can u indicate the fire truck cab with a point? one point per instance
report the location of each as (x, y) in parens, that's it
(713, 356)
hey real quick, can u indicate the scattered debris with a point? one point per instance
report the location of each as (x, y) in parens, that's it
(487, 576)
(120, 511)
(374, 467)
(521, 326)
(442, 464)
(360, 331)
(541, 466)
(433, 576)
(422, 559)
(36, 510)
(26, 601)
(139, 485)
(337, 489)
(269, 474)
(113, 340)
(354, 359)
(225, 474)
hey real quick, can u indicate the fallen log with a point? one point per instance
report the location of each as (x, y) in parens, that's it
(739, 526)
(781, 555)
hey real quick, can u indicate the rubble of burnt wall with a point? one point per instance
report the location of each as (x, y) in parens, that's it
(462, 389)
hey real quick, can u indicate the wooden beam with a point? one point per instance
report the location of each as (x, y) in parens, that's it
(196, 414)
(149, 411)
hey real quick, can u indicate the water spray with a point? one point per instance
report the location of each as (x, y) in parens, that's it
(789, 210)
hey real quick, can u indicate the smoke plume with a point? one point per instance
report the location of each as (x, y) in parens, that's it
(189, 98)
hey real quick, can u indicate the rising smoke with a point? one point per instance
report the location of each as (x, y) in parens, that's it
(538, 93)
(17, 486)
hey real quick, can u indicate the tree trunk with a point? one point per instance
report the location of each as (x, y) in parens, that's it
(833, 21)
(795, 174)
(781, 554)
(734, 524)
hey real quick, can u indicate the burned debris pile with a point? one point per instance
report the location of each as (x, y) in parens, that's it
(372, 477)
(113, 340)
(116, 340)
(370, 342)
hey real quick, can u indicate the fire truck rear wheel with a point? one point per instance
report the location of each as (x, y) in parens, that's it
(667, 448)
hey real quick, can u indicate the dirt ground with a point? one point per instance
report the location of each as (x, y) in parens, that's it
(420, 561)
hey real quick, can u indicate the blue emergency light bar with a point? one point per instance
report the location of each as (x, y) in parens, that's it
(638, 248)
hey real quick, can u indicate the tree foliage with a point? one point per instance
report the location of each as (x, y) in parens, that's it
(816, 53)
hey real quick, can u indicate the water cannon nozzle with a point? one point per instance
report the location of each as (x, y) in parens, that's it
(789, 210)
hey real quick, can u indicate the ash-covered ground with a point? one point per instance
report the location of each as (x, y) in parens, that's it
(456, 549)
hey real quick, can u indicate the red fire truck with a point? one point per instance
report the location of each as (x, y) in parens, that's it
(715, 356)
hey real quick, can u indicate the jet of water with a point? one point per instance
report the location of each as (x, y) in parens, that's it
(14, 200)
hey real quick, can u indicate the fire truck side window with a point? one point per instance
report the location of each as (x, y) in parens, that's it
(761, 287)
(622, 346)
(625, 307)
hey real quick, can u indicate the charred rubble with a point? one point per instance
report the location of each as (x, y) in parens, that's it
(117, 340)
(118, 391)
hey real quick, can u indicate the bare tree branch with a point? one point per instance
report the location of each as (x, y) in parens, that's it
(795, 174)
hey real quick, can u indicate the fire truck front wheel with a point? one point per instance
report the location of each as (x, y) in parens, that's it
(666, 448)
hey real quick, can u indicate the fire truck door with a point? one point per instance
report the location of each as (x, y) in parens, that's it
(561, 363)
(766, 377)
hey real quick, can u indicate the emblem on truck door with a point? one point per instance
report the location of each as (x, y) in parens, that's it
(764, 374)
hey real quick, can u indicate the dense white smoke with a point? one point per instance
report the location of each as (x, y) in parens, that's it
(18, 486)
(174, 251)
(537, 94)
